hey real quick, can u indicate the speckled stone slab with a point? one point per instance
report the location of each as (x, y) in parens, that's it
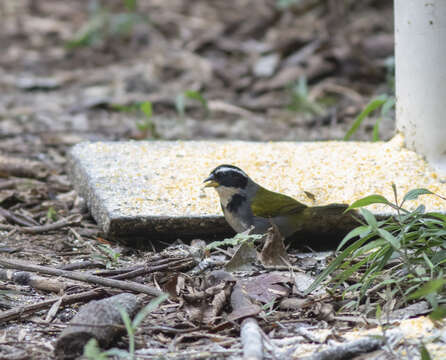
(154, 189)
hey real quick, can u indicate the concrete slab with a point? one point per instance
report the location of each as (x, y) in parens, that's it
(154, 189)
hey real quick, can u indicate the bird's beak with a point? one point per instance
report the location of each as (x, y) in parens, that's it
(210, 182)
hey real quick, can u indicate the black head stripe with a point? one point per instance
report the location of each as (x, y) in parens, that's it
(230, 176)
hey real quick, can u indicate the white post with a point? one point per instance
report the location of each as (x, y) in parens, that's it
(420, 64)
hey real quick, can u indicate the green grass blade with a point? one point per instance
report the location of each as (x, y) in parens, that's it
(413, 194)
(375, 134)
(371, 106)
(152, 305)
(369, 218)
(368, 200)
(146, 108)
(335, 264)
(429, 288)
(359, 231)
(390, 103)
(395, 242)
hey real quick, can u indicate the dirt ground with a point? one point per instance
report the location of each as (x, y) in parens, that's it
(248, 69)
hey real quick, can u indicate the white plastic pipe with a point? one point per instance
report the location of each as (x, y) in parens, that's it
(420, 64)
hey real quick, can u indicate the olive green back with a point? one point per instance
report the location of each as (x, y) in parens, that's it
(269, 204)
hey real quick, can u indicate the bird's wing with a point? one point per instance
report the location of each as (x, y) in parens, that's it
(269, 204)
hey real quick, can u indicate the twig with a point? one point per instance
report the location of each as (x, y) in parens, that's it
(174, 265)
(68, 221)
(80, 265)
(250, 332)
(251, 338)
(17, 219)
(348, 350)
(37, 282)
(20, 311)
(123, 285)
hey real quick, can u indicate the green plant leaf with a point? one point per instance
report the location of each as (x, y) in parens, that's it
(433, 286)
(375, 135)
(195, 95)
(428, 262)
(413, 194)
(369, 218)
(439, 313)
(390, 238)
(349, 271)
(390, 103)
(146, 108)
(335, 263)
(152, 305)
(130, 330)
(51, 214)
(424, 353)
(371, 106)
(130, 4)
(236, 240)
(358, 231)
(92, 351)
(378, 312)
(368, 200)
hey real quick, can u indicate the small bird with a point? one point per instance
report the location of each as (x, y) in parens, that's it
(245, 204)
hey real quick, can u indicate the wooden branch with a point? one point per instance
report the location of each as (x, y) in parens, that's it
(26, 310)
(123, 285)
(72, 340)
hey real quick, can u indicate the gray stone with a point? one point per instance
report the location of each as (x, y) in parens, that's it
(153, 189)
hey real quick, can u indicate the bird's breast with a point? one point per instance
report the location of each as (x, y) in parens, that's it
(235, 220)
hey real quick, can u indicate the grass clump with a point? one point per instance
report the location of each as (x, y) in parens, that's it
(402, 257)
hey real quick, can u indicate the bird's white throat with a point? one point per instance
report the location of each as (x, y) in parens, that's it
(226, 193)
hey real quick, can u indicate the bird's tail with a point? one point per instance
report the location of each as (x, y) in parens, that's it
(328, 210)
(328, 218)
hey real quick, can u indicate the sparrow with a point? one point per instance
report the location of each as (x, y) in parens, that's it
(246, 204)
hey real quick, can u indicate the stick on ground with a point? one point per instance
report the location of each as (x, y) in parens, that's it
(123, 285)
(25, 310)
(35, 281)
(348, 350)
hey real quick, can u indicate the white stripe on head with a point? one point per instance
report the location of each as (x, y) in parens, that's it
(224, 169)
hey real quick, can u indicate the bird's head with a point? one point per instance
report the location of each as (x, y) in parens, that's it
(227, 181)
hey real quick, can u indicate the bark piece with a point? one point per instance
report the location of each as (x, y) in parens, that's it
(100, 320)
